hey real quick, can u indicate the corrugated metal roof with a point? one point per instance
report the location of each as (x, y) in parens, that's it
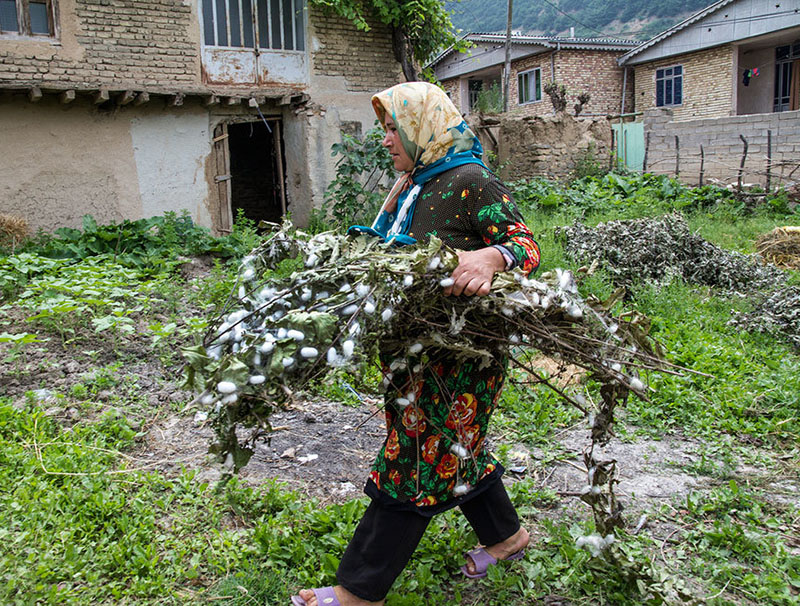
(674, 29)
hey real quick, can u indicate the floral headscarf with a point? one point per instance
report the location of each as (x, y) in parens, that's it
(434, 135)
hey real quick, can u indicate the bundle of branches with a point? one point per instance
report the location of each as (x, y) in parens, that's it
(355, 295)
(777, 314)
(781, 247)
(662, 248)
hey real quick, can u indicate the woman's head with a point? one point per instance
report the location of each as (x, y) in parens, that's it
(422, 125)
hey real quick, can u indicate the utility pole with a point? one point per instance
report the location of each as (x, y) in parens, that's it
(507, 67)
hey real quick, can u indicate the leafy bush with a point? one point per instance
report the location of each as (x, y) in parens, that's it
(354, 197)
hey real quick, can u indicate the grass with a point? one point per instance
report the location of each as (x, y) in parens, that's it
(85, 518)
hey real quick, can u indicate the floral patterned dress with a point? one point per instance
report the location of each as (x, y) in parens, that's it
(434, 454)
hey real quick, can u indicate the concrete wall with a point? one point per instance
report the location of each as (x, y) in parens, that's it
(723, 147)
(708, 83)
(114, 165)
(758, 96)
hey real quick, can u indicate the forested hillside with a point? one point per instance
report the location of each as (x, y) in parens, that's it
(639, 19)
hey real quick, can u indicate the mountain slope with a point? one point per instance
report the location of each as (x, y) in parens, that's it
(639, 19)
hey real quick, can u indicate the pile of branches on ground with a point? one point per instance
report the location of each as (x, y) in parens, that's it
(777, 314)
(663, 248)
(356, 295)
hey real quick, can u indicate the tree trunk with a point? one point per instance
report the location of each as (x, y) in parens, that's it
(402, 52)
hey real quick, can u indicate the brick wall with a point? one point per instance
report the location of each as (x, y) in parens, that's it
(722, 146)
(707, 84)
(364, 59)
(146, 42)
(594, 72)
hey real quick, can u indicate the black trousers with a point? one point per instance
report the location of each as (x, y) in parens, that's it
(386, 538)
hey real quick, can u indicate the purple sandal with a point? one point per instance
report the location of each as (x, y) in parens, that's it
(483, 559)
(325, 597)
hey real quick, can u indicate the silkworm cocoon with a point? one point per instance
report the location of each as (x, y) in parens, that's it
(323, 294)
(575, 312)
(242, 292)
(459, 451)
(408, 280)
(578, 397)
(257, 379)
(411, 396)
(229, 399)
(312, 261)
(278, 315)
(214, 352)
(546, 301)
(345, 287)
(362, 290)
(305, 295)
(636, 384)
(295, 334)
(402, 402)
(507, 311)
(387, 314)
(350, 310)
(613, 328)
(460, 489)
(514, 339)
(348, 347)
(369, 307)
(308, 352)
(616, 366)
(249, 274)
(282, 333)
(257, 360)
(445, 282)
(287, 362)
(417, 368)
(267, 348)
(208, 399)
(332, 357)
(434, 263)
(415, 348)
(355, 328)
(226, 387)
(534, 299)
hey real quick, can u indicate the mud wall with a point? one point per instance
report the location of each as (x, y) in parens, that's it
(545, 146)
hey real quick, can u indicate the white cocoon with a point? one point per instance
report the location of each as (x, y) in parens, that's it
(226, 387)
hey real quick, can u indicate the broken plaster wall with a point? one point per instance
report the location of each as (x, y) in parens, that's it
(76, 160)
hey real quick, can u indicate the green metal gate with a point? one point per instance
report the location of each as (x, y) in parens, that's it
(629, 137)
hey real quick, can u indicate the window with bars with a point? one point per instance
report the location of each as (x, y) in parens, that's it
(28, 17)
(669, 86)
(787, 77)
(530, 86)
(263, 24)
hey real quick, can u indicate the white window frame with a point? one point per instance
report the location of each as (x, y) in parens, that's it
(533, 75)
(673, 77)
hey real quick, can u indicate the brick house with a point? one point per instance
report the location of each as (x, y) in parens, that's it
(732, 70)
(583, 65)
(130, 108)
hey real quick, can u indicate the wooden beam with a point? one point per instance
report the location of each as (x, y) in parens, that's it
(126, 97)
(176, 99)
(34, 94)
(210, 100)
(285, 100)
(100, 96)
(68, 96)
(233, 100)
(142, 98)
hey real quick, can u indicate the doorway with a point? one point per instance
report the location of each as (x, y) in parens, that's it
(256, 170)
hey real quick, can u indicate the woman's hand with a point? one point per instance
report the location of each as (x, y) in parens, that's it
(475, 271)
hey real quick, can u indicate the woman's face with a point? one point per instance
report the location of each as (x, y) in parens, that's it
(402, 161)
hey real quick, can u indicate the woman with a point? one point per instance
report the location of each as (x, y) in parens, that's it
(437, 408)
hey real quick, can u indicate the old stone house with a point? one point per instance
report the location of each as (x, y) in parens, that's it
(726, 79)
(132, 108)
